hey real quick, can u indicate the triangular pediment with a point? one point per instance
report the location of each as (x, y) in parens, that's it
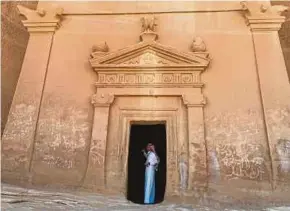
(147, 57)
(150, 54)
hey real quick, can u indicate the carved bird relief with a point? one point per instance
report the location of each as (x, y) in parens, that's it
(198, 45)
(148, 24)
(100, 48)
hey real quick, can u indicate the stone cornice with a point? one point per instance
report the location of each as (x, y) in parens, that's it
(265, 24)
(262, 17)
(41, 20)
(143, 8)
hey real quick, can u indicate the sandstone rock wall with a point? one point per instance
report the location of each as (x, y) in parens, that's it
(53, 146)
(284, 34)
(14, 40)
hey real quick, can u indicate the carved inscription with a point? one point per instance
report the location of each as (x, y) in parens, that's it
(148, 78)
(58, 162)
(242, 161)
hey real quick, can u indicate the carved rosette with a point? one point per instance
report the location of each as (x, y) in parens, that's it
(261, 17)
(194, 100)
(102, 100)
(41, 20)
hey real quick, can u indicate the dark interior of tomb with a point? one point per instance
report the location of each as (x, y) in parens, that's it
(140, 136)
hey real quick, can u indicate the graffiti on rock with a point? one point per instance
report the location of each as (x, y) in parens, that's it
(58, 162)
(183, 172)
(242, 161)
(283, 151)
(215, 166)
(96, 152)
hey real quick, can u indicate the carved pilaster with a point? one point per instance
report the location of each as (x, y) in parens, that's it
(95, 176)
(197, 176)
(26, 105)
(41, 20)
(265, 21)
(261, 17)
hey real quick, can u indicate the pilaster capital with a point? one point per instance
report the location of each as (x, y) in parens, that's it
(41, 20)
(102, 100)
(192, 100)
(262, 17)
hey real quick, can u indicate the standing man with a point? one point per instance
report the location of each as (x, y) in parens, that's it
(152, 161)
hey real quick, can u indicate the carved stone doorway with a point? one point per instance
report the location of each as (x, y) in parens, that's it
(148, 81)
(141, 133)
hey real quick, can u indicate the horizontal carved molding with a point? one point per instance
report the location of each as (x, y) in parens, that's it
(265, 24)
(189, 100)
(142, 7)
(149, 91)
(125, 67)
(41, 27)
(147, 109)
(149, 86)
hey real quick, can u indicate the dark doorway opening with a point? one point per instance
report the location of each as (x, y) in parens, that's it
(140, 136)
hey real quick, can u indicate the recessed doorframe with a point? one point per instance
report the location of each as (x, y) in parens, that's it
(169, 117)
(141, 133)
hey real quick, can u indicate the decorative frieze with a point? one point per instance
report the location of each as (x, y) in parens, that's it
(150, 78)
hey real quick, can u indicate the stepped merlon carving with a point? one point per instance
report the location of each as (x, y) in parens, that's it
(255, 8)
(40, 14)
(41, 20)
(262, 17)
(101, 48)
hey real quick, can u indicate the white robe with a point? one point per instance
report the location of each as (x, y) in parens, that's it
(151, 164)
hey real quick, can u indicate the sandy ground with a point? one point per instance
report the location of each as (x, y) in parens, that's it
(22, 199)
